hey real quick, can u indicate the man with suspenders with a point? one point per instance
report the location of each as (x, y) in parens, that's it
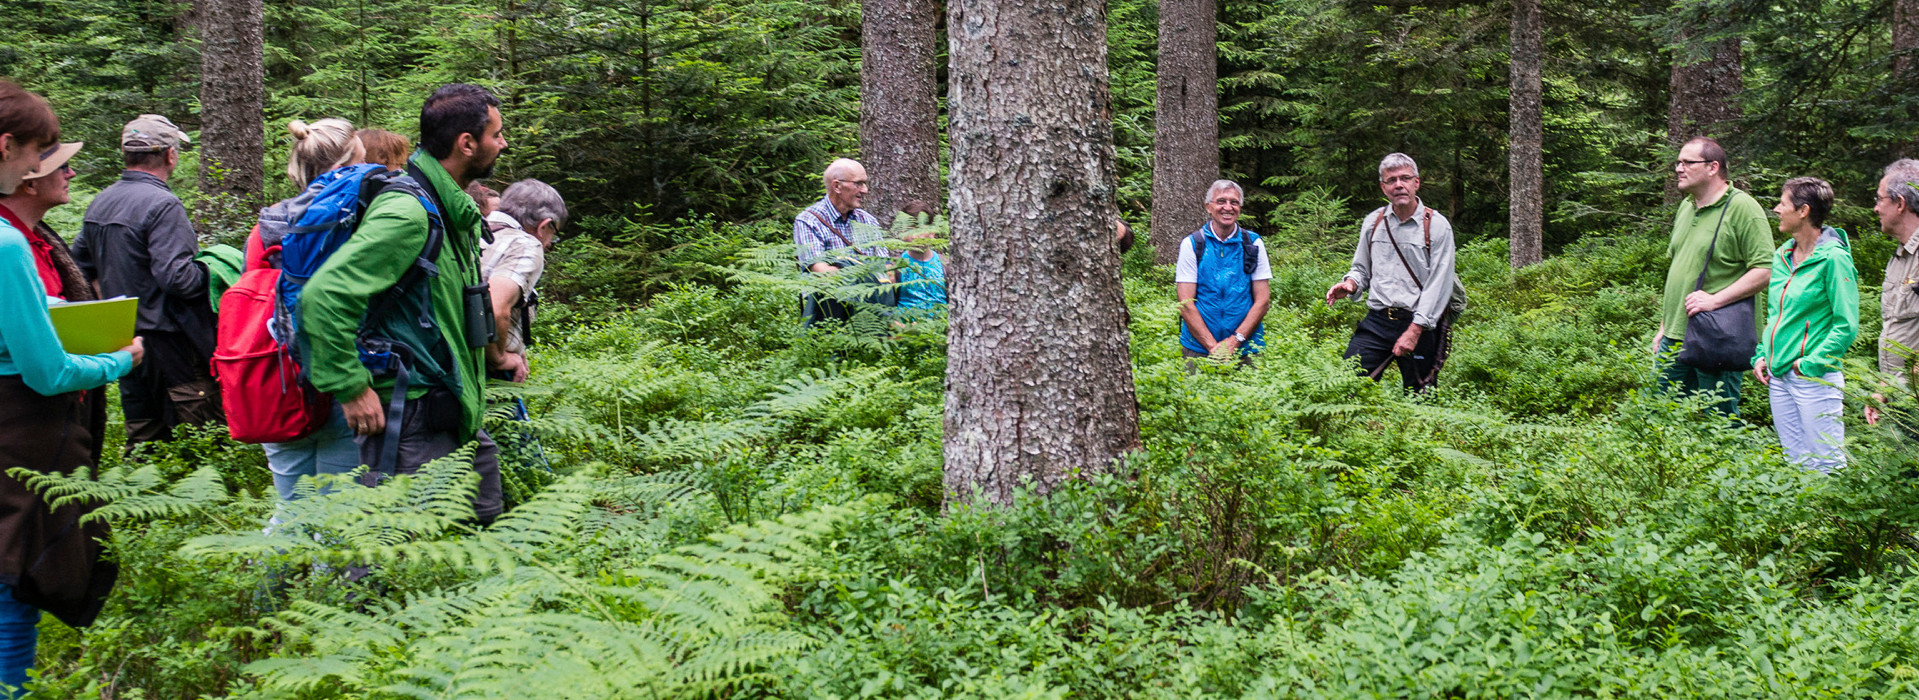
(825, 236)
(1405, 259)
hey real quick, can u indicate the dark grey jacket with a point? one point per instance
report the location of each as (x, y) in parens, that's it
(136, 241)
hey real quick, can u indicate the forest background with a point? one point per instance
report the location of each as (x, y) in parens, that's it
(735, 506)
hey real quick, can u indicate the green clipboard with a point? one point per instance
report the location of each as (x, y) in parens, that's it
(95, 327)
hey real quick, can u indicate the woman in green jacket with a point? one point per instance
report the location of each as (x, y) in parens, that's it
(1814, 316)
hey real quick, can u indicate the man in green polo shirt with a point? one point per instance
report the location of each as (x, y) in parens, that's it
(1741, 265)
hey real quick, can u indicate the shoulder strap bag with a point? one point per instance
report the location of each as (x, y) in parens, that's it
(1720, 340)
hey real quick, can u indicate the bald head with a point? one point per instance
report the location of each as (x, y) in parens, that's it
(845, 184)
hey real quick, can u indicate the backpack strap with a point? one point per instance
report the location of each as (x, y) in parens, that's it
(396, 354)
(1248, 251)
(1380, 221)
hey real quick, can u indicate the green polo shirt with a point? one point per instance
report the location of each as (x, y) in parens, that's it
(1745, 242)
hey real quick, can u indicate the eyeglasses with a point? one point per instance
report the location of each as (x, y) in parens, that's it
(856, 183)
(1227, 202)
(1408, 179)
(1683, 162)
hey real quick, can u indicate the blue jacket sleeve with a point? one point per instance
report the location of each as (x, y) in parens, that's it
(26, 331)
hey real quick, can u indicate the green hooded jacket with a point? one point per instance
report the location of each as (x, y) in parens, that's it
(390, 236)
(1814, 314)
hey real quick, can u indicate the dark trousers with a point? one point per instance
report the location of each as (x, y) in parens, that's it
(1373, 342)
(419, 444)
(172, 386)
(1671, 375)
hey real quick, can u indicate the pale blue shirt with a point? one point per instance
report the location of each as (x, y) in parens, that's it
(28, 346)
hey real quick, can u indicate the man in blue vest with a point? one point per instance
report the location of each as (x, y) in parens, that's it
(1222, 279)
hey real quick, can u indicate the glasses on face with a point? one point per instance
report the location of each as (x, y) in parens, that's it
(1398, 179)
(1681, 163)
(1227, 202)
(1877, 198)
(856, 183)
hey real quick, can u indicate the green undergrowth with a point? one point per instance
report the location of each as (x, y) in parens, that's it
(712, 502)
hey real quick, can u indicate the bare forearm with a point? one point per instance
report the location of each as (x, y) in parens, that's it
(1748, 284)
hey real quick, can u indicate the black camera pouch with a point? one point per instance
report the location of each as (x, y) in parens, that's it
(479, 315)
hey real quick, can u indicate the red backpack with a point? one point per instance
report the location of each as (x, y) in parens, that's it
(267, 397)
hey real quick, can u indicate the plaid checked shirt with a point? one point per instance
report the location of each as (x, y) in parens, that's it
(816, 241)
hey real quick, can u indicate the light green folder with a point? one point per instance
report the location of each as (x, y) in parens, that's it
(95, 327)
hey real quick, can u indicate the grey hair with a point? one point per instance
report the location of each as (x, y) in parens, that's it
(531, 201)
(1221, 185)
(1395, 161)
(1899, 179)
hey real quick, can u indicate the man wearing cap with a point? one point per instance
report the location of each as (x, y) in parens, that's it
(136, 241)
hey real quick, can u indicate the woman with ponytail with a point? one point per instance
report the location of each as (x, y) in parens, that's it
(318, 148)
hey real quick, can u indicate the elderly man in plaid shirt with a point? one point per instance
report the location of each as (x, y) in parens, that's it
(826, 239)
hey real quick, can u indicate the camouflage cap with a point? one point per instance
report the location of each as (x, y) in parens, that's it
(151, 133)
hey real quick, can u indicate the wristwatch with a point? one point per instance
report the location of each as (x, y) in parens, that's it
(1241, 338)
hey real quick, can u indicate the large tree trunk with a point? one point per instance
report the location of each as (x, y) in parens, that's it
(232, 98)
(1039, 377)
(1706, 83)
(899, 119)
(1186, 122)
(1527, 218)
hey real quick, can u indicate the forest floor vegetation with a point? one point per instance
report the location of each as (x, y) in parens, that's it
(725, 504)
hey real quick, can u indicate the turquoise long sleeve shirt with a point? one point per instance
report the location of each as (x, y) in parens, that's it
(28, 346)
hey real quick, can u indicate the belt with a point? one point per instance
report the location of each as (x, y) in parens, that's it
(1396, 313)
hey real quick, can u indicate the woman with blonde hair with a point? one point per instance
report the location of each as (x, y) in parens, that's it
(318, 148)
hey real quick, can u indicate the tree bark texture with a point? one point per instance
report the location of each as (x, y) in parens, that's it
(1905, 43)
(1039, 377)
(899, 112)
(1185, 122)
(1905, 35)
(1705, 90)
(1525, 154)
(232, 98)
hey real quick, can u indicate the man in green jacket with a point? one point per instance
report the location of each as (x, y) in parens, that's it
(460, 137)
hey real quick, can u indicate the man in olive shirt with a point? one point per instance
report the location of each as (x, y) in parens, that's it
(1741, 265)
(1897, 205)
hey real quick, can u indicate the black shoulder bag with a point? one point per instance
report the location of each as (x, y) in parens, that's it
(1720, 340)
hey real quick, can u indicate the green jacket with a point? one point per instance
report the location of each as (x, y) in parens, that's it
(1814, 308)
(390, 236)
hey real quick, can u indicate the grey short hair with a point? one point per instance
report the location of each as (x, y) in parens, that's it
(531, 201)
(1899, 179)
(1221, 185)
(1395, 161)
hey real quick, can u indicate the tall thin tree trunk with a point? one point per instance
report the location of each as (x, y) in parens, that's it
(1905, 35)
(1039, 379)
(233, 98)
(1527, 210)
(1905, 43)
(899, 109)
(1186, 121)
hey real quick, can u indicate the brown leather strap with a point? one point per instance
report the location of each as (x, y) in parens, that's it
(829, 227)
(1381, 221)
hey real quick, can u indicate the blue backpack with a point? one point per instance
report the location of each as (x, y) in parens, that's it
(317, 222)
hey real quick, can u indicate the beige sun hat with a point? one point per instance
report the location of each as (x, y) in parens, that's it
(54, 158)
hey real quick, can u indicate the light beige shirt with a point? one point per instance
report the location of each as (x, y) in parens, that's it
(518, 257)
(1899, 308)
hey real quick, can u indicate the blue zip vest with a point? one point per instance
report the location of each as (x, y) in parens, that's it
(1224, 294)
